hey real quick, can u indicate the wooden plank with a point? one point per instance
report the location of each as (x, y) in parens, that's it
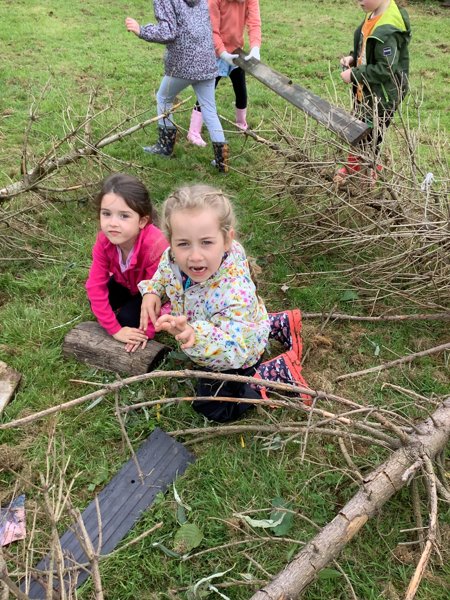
(122, 501)
(89, 343)
(345, 125)
(9, 380)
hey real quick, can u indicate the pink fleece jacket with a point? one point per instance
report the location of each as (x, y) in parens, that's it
(147, 251)
(229, 19)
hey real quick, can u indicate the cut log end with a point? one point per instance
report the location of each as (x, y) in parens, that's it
(9, 380)
(89, 343)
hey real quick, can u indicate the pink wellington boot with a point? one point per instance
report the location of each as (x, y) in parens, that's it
(195, 128)
(241, 122)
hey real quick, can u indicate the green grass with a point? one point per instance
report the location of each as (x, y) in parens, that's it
(78, 46)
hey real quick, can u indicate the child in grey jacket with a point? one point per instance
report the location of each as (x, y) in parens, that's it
(184, 27)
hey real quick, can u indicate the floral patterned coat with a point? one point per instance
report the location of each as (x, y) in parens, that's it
(229, 319)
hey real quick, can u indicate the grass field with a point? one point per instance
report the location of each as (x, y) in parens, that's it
(73, 48)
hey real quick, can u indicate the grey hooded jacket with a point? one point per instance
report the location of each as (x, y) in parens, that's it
(184, 27)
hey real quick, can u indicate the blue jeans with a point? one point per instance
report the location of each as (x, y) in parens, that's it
(205, 92)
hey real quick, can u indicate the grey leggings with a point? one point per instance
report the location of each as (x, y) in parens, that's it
(205, 92)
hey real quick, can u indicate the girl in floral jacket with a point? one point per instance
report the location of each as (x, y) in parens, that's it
(217, 316)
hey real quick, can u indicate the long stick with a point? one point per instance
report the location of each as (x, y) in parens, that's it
(398, 361)
(379, 485)
(442, 316)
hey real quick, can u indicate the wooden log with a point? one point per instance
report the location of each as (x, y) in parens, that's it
(429, 438)
(89, 343)
(9, 380)
(345, 125)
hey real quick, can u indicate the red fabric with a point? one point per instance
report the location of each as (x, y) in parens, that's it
(286, 328)
(147, 251)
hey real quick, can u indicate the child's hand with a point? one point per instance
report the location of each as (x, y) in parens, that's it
(179, 328)
(150, 310)
(347, 62)
(346, 76)
(131, 337)
(132, 25)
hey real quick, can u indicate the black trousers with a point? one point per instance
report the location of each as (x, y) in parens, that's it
(126, 305)
(237, 77)
(214, 410)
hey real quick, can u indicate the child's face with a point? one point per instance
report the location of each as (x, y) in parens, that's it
(119, 222)
(197, 243)
(370, 5)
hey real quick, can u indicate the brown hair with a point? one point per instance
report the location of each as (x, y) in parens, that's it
(131, 190)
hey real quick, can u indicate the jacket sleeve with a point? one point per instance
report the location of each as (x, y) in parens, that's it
(223, 342)
(166, 29)
(214, 14)
(159, 244)
(97, 290)
(386, 60)
(156, 284)
(253, 23)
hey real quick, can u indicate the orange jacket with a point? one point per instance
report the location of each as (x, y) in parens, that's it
(229, 19)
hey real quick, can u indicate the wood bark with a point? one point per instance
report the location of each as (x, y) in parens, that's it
(89, 343)
(345, 125)
(429, 439)
(9, 380)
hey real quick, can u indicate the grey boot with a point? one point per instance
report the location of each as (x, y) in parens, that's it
(166, 142)
(221, 154)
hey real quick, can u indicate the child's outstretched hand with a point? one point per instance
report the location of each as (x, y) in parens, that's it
(132, 25)
(179, 328)
(132, 337)
(150, 310)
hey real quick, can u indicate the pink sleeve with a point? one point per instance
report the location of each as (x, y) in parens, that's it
(158, 245)
(97, 290)
(253, 22)
(214, 14)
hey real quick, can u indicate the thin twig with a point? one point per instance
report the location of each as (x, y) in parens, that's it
(432, 528)
(398, 361)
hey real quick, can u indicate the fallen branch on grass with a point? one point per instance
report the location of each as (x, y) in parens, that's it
(442, 316)
(50, 163)
(378, 487)
(398, 361)
(186, 373)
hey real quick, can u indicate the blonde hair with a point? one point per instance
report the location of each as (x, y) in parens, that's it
(198, 197)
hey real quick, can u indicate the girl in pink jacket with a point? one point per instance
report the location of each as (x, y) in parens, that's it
(127, 250)
(229, 19)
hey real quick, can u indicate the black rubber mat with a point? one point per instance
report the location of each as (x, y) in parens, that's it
(121, 502)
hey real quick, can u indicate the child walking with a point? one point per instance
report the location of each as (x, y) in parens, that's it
(378, 69)
(217, 317)
(127, 249)
(229, 19)
(184, 27)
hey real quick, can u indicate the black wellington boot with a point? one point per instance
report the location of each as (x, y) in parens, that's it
(221, 154)
(165, 144)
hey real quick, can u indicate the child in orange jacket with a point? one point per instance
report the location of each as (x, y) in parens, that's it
(229, 19)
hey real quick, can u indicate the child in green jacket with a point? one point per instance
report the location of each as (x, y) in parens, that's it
(378, 69)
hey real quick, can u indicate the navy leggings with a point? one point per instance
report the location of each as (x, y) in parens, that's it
(126, 305)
